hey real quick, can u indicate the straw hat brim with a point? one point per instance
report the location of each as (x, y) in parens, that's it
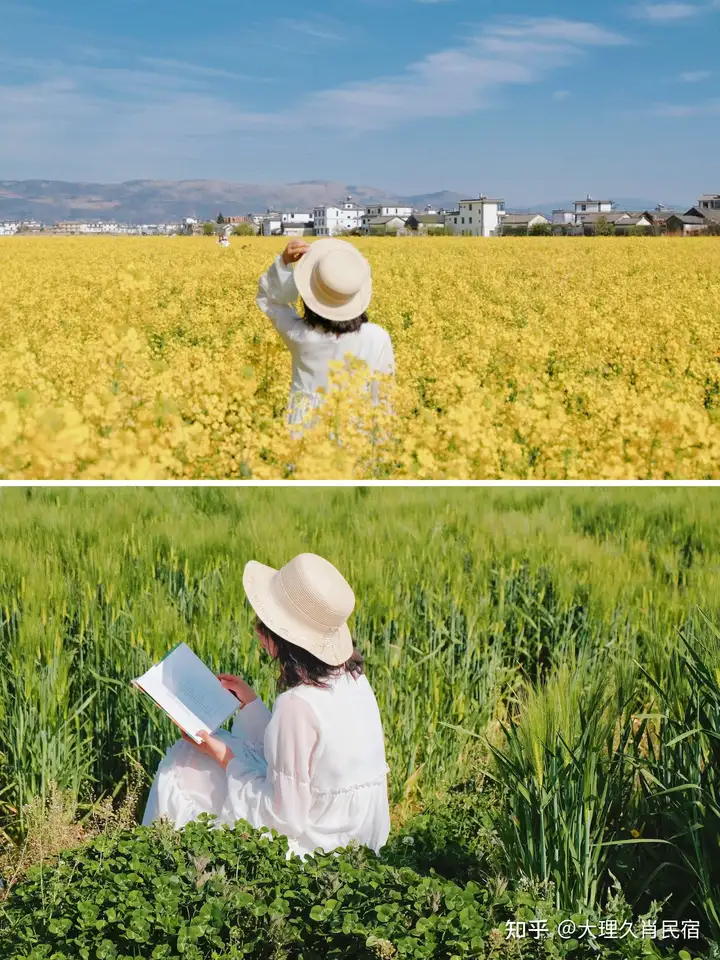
(333, 647)
(304, 282)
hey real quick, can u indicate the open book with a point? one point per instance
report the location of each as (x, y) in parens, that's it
(188, 692)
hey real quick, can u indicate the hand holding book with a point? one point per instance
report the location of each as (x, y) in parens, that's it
(191, 695)
(238, 688)
(211, 746)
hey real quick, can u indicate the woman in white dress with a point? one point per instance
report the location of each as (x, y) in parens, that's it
(335, 283)
(314, 769)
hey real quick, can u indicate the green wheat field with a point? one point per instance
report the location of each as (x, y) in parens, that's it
(557, 649)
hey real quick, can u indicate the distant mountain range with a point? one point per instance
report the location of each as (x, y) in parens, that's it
(167, 201)
(160, 201)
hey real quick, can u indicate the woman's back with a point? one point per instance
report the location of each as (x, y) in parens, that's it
(351, 748)
(312, 348)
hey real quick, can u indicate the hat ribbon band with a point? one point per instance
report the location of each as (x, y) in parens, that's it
(326, 293)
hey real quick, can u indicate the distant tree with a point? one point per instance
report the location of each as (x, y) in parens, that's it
(244, 230)
(603, 228)
(208, 229)
(540, 230)
(220, 218)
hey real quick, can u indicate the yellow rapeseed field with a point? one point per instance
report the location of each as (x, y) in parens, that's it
(133, 358)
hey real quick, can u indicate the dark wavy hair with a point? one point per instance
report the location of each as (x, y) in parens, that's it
(298, 666)
(339, 327)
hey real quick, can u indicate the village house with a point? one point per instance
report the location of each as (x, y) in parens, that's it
(632, 220)
(688, 224)
(271, 224)
(592, 206)
(659, 217)
(297, 228)
(703, 217)
(380, 225)
(344, 217)
(387, 210)
(295, 216)
(620, 220)
(425, 222)
(522, 222)
(9, 228)
(480, 217)
(710, 202)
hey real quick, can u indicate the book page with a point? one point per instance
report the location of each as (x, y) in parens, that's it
(189, 692)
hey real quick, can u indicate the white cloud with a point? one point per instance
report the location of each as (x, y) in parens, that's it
(561, 95)
(129, 118)
(318, 29)
(710, 108)
(457, 80)
(674, 12)
(695, 76)
(668, 12)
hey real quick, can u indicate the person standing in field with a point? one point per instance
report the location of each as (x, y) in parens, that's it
(334, 281)
(314, 768)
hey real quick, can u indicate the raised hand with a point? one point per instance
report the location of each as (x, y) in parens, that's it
(295, 250)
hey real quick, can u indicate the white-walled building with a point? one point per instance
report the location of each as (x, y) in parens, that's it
(188, 225)
(329, 221)
(388, 209)
(563, 217)
(9, 228)
(297, 229)
(592, 206)
(295, 217)
(709, 203)
(375, 211)
(271, 224)
(480, 217)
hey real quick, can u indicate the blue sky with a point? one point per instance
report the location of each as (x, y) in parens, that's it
(532, 100)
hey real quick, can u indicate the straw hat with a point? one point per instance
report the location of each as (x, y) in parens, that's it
(306, 602)
(334, 280)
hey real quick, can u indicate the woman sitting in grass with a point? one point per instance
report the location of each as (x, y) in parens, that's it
(314, 769)
(334, 280)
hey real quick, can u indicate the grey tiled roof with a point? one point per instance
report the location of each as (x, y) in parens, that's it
(611, 216)
(427, 218)
(521, 217)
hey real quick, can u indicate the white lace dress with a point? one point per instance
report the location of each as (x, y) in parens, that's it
(314, 770)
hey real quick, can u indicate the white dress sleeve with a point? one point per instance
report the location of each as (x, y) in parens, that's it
(249, 727)
(386, 361)
(251, 722)
(277, 296)
(280, 799)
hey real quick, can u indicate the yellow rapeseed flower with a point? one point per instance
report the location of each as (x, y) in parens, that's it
(532, 359)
